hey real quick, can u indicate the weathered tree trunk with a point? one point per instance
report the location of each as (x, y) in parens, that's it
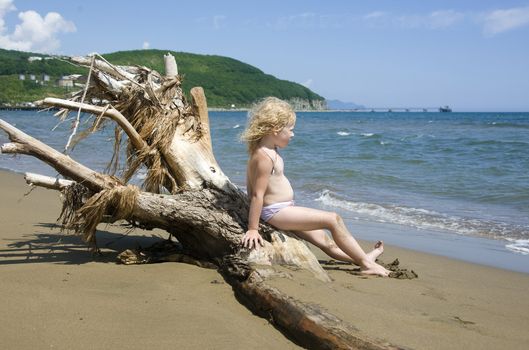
(187, 194)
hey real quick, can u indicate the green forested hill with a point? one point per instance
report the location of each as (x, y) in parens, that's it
(226, 81)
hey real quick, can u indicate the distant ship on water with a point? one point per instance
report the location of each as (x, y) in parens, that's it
(445, 109)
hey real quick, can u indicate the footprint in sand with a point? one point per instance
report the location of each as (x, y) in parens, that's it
(457, 318)
(459, 322)
(430, 292)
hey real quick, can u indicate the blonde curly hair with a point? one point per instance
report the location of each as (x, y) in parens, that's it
(269, 115)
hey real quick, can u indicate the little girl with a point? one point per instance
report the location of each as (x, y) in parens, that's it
(271, 126)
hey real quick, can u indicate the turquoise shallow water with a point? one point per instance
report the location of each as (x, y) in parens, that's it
(461, 176)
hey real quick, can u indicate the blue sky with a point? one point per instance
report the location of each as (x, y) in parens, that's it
(471, 55)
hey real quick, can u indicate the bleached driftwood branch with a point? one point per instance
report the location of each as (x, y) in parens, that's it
(111, 113)
(51, 183)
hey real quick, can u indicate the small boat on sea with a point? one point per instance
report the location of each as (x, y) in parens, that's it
(445, 109)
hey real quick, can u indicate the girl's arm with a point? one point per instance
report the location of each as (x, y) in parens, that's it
(260, 170)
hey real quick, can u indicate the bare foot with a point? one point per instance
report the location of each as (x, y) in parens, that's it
(376, 252)
(374, 269)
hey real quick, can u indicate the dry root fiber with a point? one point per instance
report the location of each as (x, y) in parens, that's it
(117, 202)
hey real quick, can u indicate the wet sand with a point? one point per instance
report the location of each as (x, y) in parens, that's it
(58, 295)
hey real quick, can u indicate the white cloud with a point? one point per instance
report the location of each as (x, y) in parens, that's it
(434, 20)
(218, 21)
(146, 45)
(377, 19)
(34, 32)
(303, 20)
(309, 20)
(500, 21)
(333, 21)
(444, 19)
(375, 15)
(5, 7)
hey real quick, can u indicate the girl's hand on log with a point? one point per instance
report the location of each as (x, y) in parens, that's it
(251, 238)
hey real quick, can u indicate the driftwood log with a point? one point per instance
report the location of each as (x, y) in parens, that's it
(185, 193)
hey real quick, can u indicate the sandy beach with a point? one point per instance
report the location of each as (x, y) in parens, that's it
(56, 294)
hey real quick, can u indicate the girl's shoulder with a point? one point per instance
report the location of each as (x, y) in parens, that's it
(259, 158)
(257, 155)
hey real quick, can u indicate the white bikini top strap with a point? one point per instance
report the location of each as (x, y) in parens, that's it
(273, 160)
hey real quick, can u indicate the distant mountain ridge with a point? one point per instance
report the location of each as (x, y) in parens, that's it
(226, 81)
(340, 105)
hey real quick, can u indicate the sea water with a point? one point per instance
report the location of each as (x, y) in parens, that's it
(455, 184)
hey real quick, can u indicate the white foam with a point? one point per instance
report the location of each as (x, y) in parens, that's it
(429, 219)
(343, 133)
(367, 134)
(236, 126)
(520, 246)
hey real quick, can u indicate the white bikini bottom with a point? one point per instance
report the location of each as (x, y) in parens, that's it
(272, 209)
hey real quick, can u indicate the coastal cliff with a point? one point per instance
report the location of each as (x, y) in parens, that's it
(300, 104)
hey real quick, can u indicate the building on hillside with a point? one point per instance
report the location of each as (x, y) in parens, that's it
(45, 78)
(72, 80)
(65, 81)
(34, 58)
(32, 77)
(21, 77)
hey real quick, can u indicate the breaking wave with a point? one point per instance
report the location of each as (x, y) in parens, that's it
(427, 219)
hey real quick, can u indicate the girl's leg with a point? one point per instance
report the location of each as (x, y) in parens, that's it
(378, 249)
(321, 240)
(308, 219)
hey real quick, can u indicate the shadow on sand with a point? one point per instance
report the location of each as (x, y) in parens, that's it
(49, 245)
